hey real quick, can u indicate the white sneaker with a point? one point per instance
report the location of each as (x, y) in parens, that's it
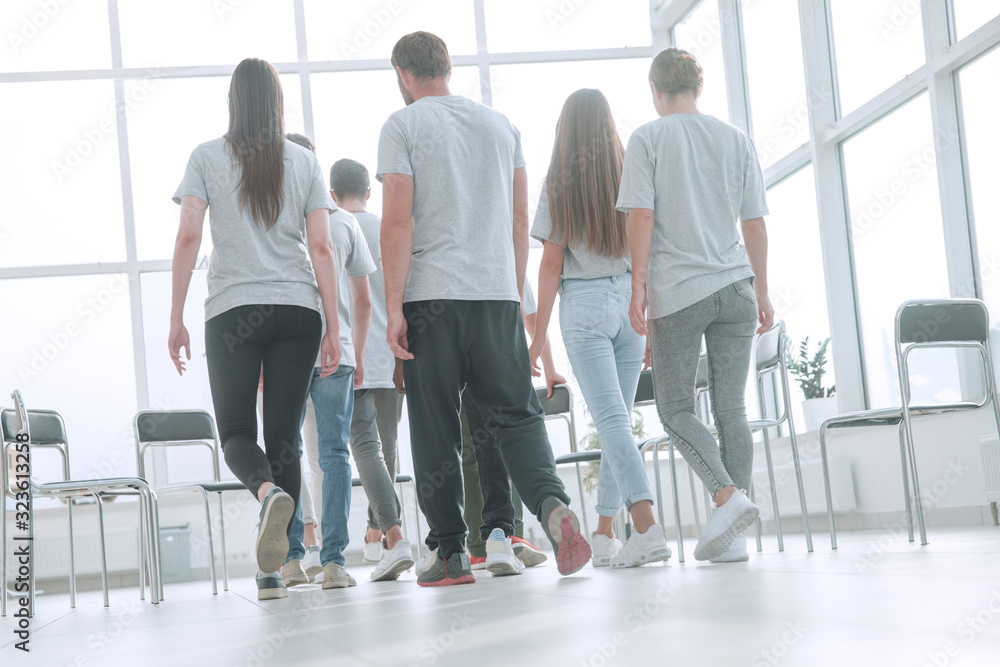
(311, 563)
(395, 561)
(372, 551)
(737, 552)
(427, 563)
(292, 574)
(500, 558)
(726, 523)
(335, 576)
(603, 549)
(642, 548)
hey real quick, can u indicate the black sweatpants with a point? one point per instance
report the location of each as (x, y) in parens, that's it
(286, 339)
(478, 346)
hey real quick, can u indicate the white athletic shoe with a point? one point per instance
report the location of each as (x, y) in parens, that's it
(603, 549)
(372, 551)
(737, 552)
(726, 523)
(395, 561)
(500, 558)
(427, 563)
(642, 548)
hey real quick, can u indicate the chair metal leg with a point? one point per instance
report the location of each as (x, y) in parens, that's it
(222, 535)
(72, 556)
(694, 502)
(3, 544)
(802, 489)
(142, 549)
(826, 486)
(104, 550)
(658, 484)
(916, 482)
(677, 504)
(211, 543)
(907, 502)
(583, 503)
(774, 490)
(756, 524)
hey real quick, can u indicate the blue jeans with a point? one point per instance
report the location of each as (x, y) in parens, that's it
(606, 355)
(333, 400)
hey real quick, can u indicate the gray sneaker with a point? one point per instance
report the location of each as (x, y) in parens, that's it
(292, 574)
(269, 586)
(335, 576)
(276, 512)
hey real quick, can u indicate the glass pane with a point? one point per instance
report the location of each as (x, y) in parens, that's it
(795, 271)
(972, 14)
(978, 83)
(75, 357)
(529, 25)
(777, 103)
(44, 36)
(195, 32)
(69, 210)
(878, 42)
(532, 96)
(700, 34)
(352, 130)
(897, 236)
(368, 29)
(195, 110)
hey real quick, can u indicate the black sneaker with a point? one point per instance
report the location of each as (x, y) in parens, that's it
(276, 513)
(270, 586)
(455, 570)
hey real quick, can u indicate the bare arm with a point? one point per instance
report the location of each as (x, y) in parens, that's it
(755, 238)
(521, 242)
(639, 229)
(185, 257)
(321, 253)
(396, 241)
(362, 312)
(549, 273)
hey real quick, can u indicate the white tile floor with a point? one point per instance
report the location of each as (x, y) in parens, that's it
(888, 603)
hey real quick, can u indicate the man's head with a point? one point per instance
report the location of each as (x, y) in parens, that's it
(349, 180)
(422, 65)
(301, 140)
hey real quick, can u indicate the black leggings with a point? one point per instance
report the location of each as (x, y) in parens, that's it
(286, 339)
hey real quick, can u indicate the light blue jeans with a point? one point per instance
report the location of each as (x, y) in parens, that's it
(606, 355)
(333, 401)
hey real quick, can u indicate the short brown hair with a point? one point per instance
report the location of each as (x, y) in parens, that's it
(349, 178)
(674, 71)
(422, 54)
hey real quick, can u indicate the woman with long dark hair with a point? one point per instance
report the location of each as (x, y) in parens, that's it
(687, 179)
(586, 258)
(265, 296)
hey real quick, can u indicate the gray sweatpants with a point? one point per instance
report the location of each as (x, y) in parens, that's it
(373, 445)
(727, 319)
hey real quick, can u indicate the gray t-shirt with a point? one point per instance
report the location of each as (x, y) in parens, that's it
(528, 305)
(250, 265)
(698, 175)
(578, 262)
(352, 259)
(379, 361)
(462, 156)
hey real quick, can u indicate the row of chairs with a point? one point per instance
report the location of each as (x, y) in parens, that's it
(919, 324)
(151, 429)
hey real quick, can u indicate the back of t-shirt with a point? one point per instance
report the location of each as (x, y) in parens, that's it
(462, 156)
(379, 362)
(698, 175)
(352, 259)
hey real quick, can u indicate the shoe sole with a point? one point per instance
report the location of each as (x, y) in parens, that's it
(720, 544)
(271, 594)
(603, 561)
(742, 558)
(314, 572)
(529, 557)
(656, 556)
(466, 579)
(330, 585)
(396, 569)
(502, 568)
(296, 580)
(572, 549)
(478, 566)
(272, 537)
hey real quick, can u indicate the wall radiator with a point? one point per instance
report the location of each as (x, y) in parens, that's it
(52, 550)
(841, 486)
(989, 449)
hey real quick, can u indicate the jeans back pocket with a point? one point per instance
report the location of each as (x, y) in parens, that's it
(586, 311)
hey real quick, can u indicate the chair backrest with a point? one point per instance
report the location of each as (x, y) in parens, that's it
(644, 394)
(559, 406)
(45, 428)
(175, 428)
(769, 347)
(942, 321)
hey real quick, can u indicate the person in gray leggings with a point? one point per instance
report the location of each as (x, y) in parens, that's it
(687, 178)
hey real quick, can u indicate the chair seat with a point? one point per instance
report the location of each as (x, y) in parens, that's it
(891, 416)
(579, 457)
(218, 487)
(89, 487)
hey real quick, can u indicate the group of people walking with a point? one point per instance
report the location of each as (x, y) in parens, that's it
(642, 243)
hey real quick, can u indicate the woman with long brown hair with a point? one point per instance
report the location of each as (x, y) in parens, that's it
(265, 297)
(586, 258)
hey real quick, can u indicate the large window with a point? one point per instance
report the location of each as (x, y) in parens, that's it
(54, 36)
(551, 25)
(701, 35)
(973, 14)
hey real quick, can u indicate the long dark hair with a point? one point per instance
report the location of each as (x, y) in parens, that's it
(584, 175)
(256, 139)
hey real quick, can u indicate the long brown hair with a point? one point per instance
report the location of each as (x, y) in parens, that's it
(256, 139)
(584, 175)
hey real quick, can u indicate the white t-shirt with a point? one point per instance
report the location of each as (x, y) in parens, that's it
(379, 361)
(462, 156)
(352, 259)
(698, 175)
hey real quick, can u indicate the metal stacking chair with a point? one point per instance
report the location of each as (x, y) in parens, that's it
(46, 428)
(921, 324)
(183, 428)
(560, 407)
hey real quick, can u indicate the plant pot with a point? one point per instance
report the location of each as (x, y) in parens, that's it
(818, 410)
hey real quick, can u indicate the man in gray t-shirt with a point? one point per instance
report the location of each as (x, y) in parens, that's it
(454, 243)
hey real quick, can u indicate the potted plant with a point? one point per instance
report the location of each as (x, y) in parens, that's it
(593, 441)
(820, 403)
